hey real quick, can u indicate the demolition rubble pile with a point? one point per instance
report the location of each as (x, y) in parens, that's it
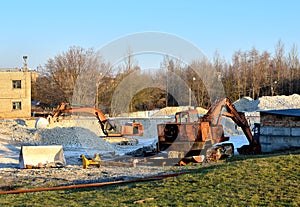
(171, 110)
(73, 138)
(65, 133)
(16, 131)
(247, 104)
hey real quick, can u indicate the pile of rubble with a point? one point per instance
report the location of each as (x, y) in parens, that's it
(73, 138)
(17, 131)
(247, 104)
(168, 111)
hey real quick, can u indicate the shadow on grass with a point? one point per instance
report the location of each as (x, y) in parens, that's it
(265, 155)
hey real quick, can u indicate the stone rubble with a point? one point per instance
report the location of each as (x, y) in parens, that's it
(247, 104)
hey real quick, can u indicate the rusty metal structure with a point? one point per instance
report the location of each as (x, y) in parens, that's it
(191, 136)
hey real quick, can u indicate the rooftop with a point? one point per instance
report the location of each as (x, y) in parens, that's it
(10, 69)
(283, 112)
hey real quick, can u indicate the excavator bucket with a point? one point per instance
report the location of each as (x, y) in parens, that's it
(41, 156)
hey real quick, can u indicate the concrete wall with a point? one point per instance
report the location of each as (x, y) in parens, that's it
(271, 143)
(8, 94)
(279, 133)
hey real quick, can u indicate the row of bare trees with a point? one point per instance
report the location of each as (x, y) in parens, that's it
(81, 76)
(257, 74)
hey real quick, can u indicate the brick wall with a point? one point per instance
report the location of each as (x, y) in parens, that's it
(279, 120)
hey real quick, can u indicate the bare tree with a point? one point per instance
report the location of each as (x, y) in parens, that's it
(124, 71)
(293, 64)
(61, 74)
(278, 63)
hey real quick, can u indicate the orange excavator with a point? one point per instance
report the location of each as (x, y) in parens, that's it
(52, 155)
(215, 114)
(191, 136)
(109, 130)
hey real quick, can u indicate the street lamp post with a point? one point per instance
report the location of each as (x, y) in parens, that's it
(167, 92)
(190, 92)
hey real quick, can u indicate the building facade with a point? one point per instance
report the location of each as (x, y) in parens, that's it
(15, 93)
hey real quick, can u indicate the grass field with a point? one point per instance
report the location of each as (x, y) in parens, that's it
(266, 180)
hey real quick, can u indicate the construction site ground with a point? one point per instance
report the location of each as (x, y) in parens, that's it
(14, 133)
(77, 140)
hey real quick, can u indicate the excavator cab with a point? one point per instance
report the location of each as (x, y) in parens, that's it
(186, 116)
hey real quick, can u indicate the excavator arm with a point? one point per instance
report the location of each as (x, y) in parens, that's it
(240, 119)
(103, 121)
(215, 114)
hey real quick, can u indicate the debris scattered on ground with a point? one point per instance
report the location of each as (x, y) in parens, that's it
(13, 178)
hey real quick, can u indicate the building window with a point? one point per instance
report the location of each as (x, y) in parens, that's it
(16, 105)
(16, 83)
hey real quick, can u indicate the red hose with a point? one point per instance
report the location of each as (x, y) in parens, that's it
(90, 185)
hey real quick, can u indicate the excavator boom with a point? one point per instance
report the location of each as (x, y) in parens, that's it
(134, 128)
(239, 118)
(64, 108)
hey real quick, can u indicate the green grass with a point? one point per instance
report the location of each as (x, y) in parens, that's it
(243, 181)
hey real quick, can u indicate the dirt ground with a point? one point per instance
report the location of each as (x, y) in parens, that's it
(14, 133)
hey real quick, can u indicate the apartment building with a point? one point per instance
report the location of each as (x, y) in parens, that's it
(15, 93)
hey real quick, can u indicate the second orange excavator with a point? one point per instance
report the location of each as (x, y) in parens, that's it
(109, 130)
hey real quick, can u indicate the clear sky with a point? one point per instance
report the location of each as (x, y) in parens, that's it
(42, 29)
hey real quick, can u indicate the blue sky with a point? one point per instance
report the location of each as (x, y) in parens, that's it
(43, 29)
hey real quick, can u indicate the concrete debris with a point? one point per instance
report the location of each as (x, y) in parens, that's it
(73, 138)
(268, 103)
(169, 111)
